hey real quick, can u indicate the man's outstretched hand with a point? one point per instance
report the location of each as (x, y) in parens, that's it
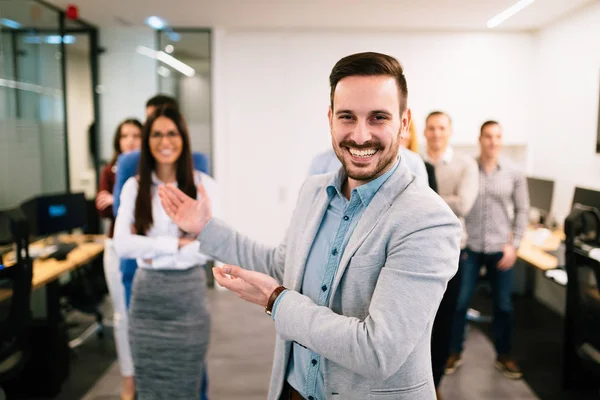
(251, 286)
(189, 214)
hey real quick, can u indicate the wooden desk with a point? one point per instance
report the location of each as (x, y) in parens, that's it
(45, 271)
(536, 253)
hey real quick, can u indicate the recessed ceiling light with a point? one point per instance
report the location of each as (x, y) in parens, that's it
(9, 23)
(56, 39)
(509, 12)
(155, 22)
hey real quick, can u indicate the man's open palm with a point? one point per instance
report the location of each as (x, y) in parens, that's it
(190, 215)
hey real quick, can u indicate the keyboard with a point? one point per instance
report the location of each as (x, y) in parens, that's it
(62, 251)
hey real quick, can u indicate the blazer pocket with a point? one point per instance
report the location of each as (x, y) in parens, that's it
(367, 261)
(411, 392)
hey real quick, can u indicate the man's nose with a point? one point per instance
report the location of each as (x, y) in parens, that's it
(361, 133)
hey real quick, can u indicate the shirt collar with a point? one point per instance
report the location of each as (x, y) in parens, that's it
(498, 165)
(448, 155)
(365, 192)
(446, 158)
(156, 181)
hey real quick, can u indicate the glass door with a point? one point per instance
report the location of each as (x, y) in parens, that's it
(184, 71)
(33, 154)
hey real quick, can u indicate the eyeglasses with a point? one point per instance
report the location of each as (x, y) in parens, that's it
(171, 135)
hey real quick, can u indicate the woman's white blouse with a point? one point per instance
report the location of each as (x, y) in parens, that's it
(159, 248)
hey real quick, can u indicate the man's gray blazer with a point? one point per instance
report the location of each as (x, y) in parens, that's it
(375, 333)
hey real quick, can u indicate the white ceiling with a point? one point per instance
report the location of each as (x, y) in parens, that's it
(326, 14)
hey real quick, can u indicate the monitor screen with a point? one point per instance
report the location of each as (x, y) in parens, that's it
(586, 197)
(51, 214)
(540, 193)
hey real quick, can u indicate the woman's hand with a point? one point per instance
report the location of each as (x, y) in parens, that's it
(104, 200)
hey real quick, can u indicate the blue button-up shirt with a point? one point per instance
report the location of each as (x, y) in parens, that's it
(305, 372)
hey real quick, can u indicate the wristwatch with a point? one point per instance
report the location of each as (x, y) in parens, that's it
(274, 296)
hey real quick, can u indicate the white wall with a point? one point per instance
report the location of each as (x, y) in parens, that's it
(127, 78)
(567, 75)
(271, 100)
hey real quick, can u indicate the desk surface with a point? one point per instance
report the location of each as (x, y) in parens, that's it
(534, 247)
(44, 271)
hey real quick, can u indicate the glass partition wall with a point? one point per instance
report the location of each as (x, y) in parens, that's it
(34, 126)
(184, 71)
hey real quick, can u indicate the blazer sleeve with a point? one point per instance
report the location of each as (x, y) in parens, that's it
(225, 244)
(221, 242)
(406, 298)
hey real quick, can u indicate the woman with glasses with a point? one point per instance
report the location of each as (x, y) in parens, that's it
(169, 323)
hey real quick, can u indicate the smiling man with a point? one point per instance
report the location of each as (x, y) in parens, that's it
(354, 287)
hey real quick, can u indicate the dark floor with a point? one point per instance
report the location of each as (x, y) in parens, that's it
(242, 348)
(537, 346)
(241, 353)
(87, 362)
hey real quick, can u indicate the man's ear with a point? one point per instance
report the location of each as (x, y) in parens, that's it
(406, 118)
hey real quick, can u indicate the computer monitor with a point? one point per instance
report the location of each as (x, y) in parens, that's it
(55, 213)
(540, 194)
(586, 197)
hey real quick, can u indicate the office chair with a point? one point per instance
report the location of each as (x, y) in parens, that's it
(581, 346)
(14, 330)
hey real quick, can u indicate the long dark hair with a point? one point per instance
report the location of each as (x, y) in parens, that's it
(117, 138)
(184, 168)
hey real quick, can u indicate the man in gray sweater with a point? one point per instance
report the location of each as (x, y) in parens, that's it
(457, 179)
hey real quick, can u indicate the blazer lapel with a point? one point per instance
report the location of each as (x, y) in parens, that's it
(376, 209)
(314, 217)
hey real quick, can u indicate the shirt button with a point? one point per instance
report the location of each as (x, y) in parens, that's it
(324, 288)
(314, 362)
(334, 252)
(346, 218)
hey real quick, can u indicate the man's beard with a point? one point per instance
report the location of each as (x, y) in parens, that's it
(362, 174)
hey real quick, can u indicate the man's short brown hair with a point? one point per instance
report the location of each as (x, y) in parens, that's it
(370, 64)
(436, 114)
(486, 124)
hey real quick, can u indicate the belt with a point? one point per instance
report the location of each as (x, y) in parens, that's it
(289, 393)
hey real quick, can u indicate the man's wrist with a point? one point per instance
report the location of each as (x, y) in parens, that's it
(277, 302)
(271, 301)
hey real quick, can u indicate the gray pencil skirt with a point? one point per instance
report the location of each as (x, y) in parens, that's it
(169, 328)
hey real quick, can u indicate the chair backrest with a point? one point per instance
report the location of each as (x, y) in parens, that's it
(14, 334)
(127, 166)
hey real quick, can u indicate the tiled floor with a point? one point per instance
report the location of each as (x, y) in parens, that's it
(242, 348)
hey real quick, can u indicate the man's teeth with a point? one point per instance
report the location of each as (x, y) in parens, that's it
(363, 153)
